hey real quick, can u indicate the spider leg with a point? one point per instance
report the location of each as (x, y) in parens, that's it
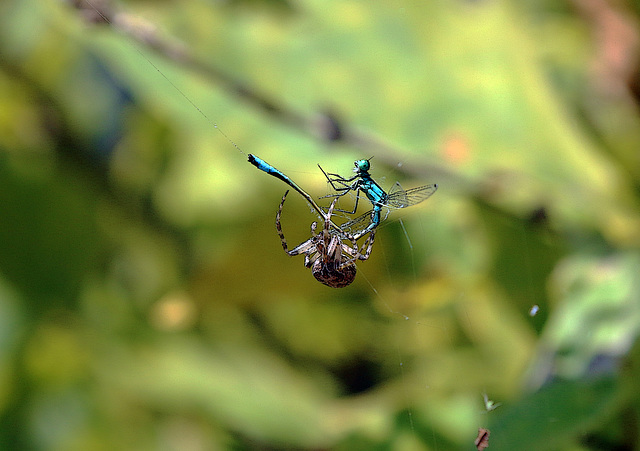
(308, 261)
(332, 252)
(359, 253)
(329, 213)
(370, 240)
(307, 247)
(279, 227)
(351, 252)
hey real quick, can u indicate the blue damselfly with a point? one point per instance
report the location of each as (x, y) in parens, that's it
(362, 181)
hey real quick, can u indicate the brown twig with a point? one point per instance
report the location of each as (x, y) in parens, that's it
(325, 127)
(322, 126)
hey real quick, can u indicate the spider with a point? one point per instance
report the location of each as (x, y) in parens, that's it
(331, 261)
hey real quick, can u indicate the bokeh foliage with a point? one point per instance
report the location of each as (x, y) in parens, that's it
(146, 303)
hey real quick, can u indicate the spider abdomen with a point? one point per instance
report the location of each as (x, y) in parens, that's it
(332, 276)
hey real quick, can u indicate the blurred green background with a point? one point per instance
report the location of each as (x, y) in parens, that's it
(146, 302)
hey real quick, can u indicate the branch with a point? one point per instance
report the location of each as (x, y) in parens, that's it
(324, 127)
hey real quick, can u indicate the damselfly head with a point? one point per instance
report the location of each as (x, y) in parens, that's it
(361, 166)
